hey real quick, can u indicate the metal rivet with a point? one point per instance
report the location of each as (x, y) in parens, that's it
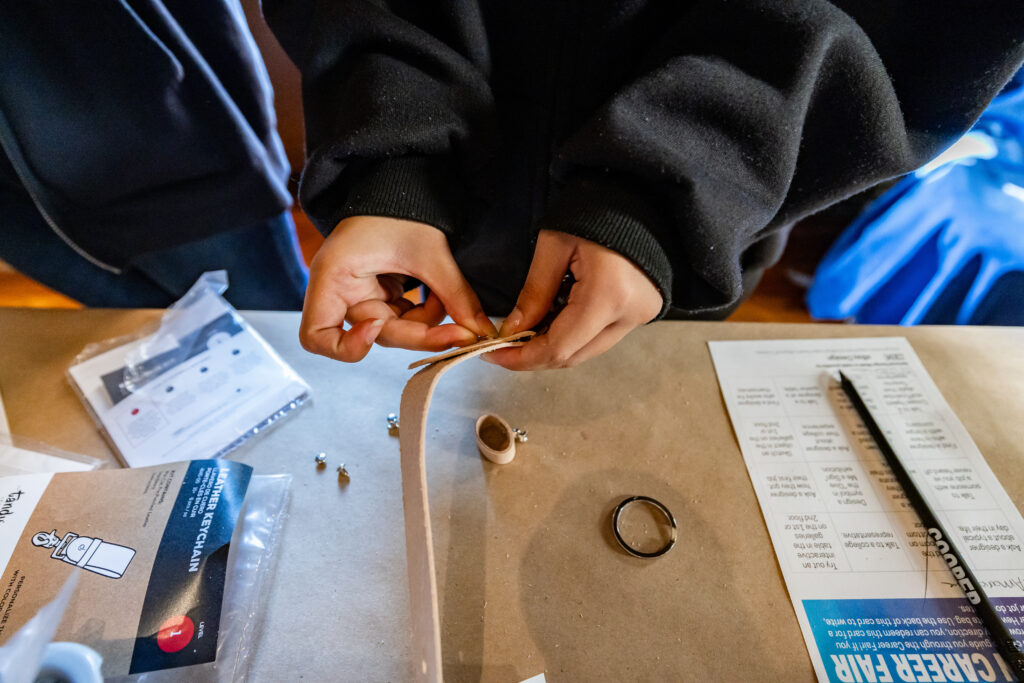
(520, 435)
(342, 472)
(392, 424)
(321, 459)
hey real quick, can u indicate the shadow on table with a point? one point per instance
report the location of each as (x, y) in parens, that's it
(597, 613)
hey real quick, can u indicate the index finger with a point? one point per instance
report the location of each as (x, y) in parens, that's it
(410, 333)
(321, 330)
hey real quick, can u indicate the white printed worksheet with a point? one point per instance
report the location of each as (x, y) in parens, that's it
(874, 599)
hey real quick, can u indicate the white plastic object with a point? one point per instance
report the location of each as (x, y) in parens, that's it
(22, 654)
(71, 662)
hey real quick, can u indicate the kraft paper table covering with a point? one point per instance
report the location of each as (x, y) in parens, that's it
(529, 576)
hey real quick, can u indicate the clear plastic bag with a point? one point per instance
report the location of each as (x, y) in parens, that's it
(177, 335)
(20, 455)
(251, 560)
(24, 652)
(197, 385)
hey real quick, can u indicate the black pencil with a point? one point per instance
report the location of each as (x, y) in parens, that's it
(965, 578)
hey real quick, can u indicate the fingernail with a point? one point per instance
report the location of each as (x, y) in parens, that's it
(486, 325)
(486, 358)
(373, 330)
(511, 323)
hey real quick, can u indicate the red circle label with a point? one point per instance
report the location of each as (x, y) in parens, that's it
(175, 633)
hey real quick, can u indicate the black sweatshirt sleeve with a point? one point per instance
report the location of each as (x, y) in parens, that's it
(751, 114)
(396, 103)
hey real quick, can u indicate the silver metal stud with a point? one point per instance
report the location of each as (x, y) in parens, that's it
(342, 472)
(520, 434)
(392, 424)
(321, 459)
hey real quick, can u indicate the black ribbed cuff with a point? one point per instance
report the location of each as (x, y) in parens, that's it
(605, 212)
(423, 189)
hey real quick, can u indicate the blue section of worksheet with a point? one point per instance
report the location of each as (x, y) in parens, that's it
(931, 640)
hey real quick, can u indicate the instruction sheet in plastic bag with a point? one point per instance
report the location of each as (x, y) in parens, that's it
(196, 388)
(874, 598)
(150, 544)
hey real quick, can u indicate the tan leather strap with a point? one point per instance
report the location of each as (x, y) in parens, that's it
(419, 546)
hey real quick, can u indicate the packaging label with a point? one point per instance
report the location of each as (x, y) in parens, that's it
(151, 545)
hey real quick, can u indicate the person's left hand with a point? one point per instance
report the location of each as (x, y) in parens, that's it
(611, 297)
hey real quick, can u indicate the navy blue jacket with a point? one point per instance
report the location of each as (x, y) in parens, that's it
(137, 125)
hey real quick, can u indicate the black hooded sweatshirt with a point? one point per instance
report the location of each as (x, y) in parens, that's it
(687, 135)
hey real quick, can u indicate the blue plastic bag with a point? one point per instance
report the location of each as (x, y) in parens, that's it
(946, 244)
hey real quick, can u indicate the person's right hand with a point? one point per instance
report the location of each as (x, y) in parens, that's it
(357, 276)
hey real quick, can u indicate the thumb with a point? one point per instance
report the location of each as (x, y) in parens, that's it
(550, 264)
(442, 275)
